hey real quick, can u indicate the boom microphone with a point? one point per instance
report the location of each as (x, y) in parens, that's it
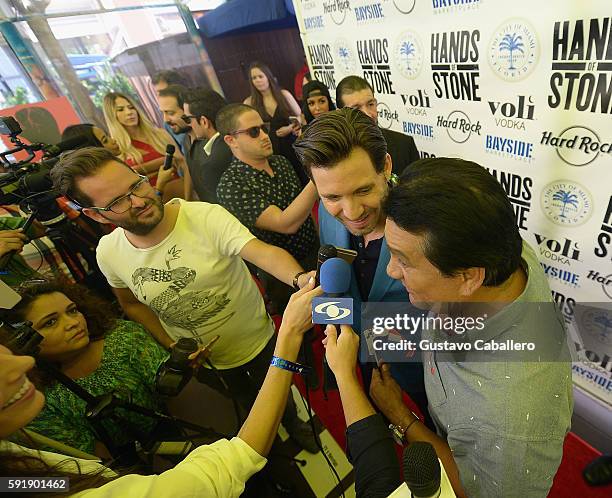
(169, 153)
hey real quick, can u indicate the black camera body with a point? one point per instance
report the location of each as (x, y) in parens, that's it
(174, 374)
(22, 338)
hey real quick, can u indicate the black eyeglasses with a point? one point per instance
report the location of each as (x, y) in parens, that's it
(188, 117)
(254, 131)
(124, 203)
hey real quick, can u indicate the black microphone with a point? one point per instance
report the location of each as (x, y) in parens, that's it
(69, 144)
(422, 470)
(326, 252)
(169, 153)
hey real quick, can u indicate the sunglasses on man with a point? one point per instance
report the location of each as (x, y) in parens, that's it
(254, 131)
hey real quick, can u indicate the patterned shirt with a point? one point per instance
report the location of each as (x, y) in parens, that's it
(130, 360)
(247, 192)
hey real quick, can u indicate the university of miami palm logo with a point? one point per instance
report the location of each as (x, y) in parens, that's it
(566, 203)
(513, 50)
(408, 54)
(344, 56)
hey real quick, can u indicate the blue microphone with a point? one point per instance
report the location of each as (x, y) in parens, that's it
(335, 281)
(335, 277)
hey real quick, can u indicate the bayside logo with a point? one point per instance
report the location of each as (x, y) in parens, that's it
(561, 275)
(604, 239)
(337, 10)
(323, 64)
(566, 203)
(313, 23)
(418, 130)
(559, 252)
(374, 59)
(509, 115)
(344, 56)
(404, 6)
(458, 126)
(581, 61)
(386, 117)
(454, 65)
(513, 50)
(417, 103)
(604, 280)
(576, 145)
(368, 13)
(448, 6)
(518, 190)
(408, 54)
(509, 147)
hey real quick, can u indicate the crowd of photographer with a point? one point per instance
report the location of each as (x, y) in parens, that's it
(442, 232)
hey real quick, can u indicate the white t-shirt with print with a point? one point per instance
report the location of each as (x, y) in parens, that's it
(195, 281)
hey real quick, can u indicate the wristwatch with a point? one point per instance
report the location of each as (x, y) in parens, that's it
(399, 432)
(296, 278)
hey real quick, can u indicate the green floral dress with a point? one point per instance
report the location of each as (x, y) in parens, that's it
(130, 359)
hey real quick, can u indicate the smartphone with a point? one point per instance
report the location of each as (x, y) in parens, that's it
(347, 255)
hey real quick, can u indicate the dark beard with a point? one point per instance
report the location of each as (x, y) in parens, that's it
(141, 228)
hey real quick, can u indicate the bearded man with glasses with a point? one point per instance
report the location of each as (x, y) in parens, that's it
(263, 191)
(178, 270)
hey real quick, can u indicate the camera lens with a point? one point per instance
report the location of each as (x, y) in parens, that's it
(179, 356)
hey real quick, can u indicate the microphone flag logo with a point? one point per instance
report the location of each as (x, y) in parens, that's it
(336, 310)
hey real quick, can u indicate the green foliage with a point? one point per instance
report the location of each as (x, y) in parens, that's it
(20, 96)
(109, 81)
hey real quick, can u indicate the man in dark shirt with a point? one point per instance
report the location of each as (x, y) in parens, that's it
(262, 190)
(207, 154)
(357, 93)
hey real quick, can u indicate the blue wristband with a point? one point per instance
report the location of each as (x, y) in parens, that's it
(289, 366)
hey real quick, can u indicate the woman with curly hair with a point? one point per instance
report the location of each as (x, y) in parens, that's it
(98, 351)
(217, 470)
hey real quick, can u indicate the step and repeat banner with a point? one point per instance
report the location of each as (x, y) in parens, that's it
(525, 90)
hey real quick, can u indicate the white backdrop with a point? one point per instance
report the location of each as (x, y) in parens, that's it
(523, 88)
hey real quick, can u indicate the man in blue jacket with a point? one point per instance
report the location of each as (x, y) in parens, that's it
(345, 154)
